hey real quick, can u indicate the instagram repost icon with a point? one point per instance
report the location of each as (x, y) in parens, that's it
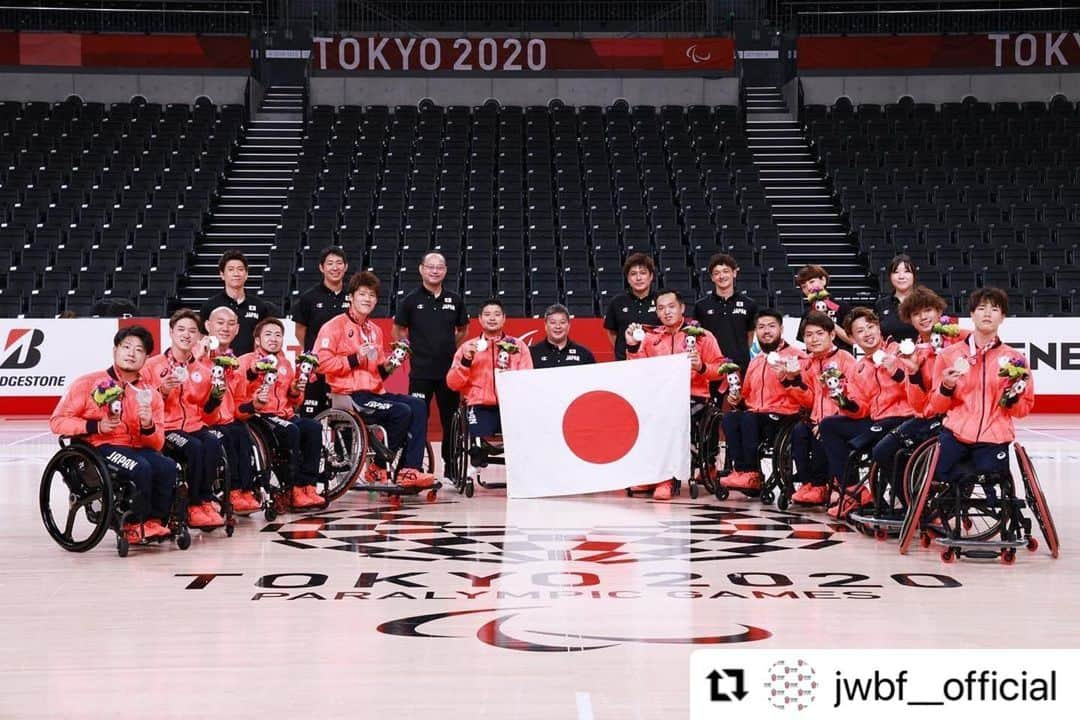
(791, 685)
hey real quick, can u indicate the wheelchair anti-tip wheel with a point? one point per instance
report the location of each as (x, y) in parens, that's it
(76, 498)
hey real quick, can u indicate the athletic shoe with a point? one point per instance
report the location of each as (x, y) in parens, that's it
(664, 490)
(811, 495)
(642, 488)
(412, 478)
(745, 481)
(301, 498)
(154, 528)
(375, 475)
(846, 503)
(734, 480)
(238, 501)
(133, 532)
(196, 516)
(213, 517)
(314, 496)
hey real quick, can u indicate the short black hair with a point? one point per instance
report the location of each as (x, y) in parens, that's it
(637, 259)
(992, 295)
(903, 259)
(333, 250)
(493, 301)
(819, 319)
(365, 279)
(230, 255)
(769, 312)
(722, 259)
(137, 331)
(671, 291)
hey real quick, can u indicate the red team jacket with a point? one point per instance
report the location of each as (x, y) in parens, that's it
(475, 379)
(809, 391)
(78, 414)
(226, 411)
(879, 393)
(763, 390)
(340, 361)
(918, 387)
(283, 402)
(185, 404)
(659, 342)
(972, 410)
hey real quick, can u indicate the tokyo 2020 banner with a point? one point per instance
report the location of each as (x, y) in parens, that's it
(40, 358)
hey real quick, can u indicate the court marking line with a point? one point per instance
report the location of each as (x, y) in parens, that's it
(584, 706)
(1049, 435)
(28, 439)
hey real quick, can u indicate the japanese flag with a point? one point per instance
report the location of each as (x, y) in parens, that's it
(594, 428)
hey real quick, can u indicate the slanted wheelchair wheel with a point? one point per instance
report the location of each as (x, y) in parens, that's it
(344, 449)
(921, 479)
(76, 498)
(459, 453)
(221, 487)
(1036, 500)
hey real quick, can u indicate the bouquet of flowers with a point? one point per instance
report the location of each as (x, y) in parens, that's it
(306, 363)
(108, 394)
(943, 331)
(832, 379)
(399, 351)
(819, 299)
(507, 348)
(1017, 374)
(731, 371)
(218, 368)
(267, 366)
(693, 332)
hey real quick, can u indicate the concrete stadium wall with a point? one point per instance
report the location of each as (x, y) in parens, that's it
(120, 87)
(407, 90)
(987, 87)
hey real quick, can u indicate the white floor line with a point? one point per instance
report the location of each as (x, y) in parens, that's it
(1049, 435)
(584, 706)
(27, 439)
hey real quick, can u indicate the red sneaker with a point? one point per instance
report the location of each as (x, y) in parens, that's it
(154, 528)
(196, 516)
(733, 480)
(300, 497)
(745, 481)
(212, 516)
(314, 496)
(664, 490)
(410, 477)
(375, 475)
(642, 488)
(238, 501)
(133, 532)
(811, 495)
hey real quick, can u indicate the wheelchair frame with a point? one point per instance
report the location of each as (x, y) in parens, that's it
(458, 472)
(778, 484)
(78, 464)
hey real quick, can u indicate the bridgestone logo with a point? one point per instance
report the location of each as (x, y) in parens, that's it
(120, 460)
(32, 381)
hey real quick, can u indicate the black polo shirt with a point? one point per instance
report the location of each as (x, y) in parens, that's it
(626, 309)
(546, 355)
(315, 307)
(887, 308)
(249, 313)
(431, 322)
(729, 319)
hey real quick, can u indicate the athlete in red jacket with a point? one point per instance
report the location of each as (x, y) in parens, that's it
(269, 388)
(761, 403)
(674, 336)
(115, 411)
(472, 374)
(820, 386)
(353, 358)
(184, 383)
(981, 386)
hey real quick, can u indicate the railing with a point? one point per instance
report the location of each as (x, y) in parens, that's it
(808, 17)
(234, 17)
(572, 16)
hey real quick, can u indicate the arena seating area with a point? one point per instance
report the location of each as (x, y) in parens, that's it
(976, 194)
(101, 203)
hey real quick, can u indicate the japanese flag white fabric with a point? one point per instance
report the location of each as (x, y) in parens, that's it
(595, 428)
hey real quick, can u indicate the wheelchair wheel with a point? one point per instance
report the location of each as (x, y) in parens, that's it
(1036, 500)
(918, 478)
(344, 448)
(222, 485)
(711, 453)
(781, 474)
(915, 469)
(267, 474)
(459, 470)
(76, 498)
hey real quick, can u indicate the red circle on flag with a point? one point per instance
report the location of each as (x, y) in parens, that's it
(600, 427)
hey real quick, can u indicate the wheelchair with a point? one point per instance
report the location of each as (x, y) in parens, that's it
(460, 458)
(220, 487)
(354, 448)
(775, 447)
(708, 452)
(979, 516)
(80, 501)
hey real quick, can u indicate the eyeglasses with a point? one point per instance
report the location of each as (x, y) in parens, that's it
(434, 267)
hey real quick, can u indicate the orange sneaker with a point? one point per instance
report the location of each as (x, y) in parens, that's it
(642, 488)
(314, 496)
(300, 497)
(154, 528)
(196, 516)
(733, 480)
(375, 475)
(410, 477)
(236, 499)
(744, 481)
(664, 490)
(846, 503)
(213, 517)
(133, 532)
(248, 502)
(811, 495)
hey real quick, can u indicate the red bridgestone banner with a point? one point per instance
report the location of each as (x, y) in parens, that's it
(993, 50)
(116, 50)
(522, 55)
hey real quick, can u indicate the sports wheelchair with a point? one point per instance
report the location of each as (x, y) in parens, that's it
(80, 501)
(707, 453)
(775, 448)
(220, 487)
(978, 516)
(489, 451)
(355, 448)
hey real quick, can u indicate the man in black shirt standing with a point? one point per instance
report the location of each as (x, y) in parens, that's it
(313, 309)
(557, 349)
(435, 320)
(636, 306)
(727, 314)
(249, 309)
